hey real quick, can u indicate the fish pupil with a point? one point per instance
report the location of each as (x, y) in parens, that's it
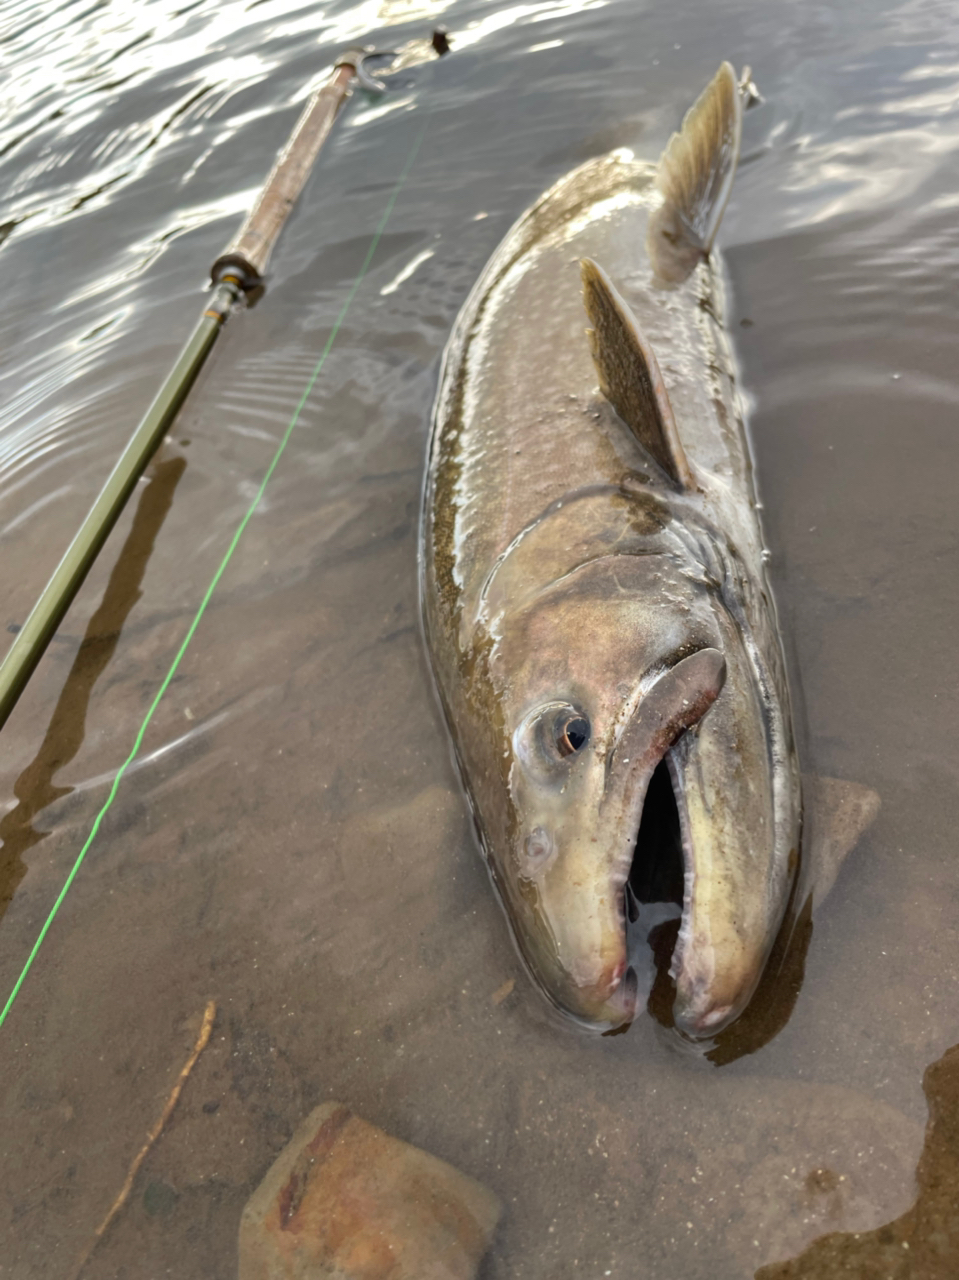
(573, 736)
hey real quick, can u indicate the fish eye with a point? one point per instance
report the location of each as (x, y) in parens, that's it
(549, 738)
(572, 734)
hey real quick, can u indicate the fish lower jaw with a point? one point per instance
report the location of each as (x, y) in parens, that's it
(702, 1006)
(708, 1021)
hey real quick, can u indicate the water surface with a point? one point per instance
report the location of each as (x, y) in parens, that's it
(292, 841)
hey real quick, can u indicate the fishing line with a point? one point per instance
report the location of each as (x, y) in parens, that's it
(191, 630)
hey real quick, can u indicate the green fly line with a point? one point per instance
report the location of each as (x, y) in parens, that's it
(208, 594)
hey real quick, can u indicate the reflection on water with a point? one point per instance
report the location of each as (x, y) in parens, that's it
(34, 789)
(294, 843)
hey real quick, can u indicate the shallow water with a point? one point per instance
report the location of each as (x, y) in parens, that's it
(291, 840)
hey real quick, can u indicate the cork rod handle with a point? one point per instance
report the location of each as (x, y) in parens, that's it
(246, 257)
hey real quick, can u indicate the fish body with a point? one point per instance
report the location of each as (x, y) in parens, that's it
(594, 588)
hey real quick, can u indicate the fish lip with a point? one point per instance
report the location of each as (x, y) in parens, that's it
(601, 1007)
(624, 866)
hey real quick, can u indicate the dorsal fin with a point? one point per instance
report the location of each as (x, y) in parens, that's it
(695, 177)
(629, 375)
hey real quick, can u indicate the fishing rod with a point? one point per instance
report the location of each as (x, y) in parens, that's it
(237, 272)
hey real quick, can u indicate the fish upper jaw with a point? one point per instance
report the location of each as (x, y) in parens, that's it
(673, 703)
(583, 963)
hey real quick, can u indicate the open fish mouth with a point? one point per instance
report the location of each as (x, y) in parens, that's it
(602, 930)
(699, 904)
(658, 870)
(655, 886)
(651, 903)
(673, 886)
(650, 886)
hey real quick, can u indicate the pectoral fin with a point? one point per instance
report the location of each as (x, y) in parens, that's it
(837, 815)
(695, 177)
(629, 375)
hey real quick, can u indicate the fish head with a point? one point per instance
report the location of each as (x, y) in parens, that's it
(622, 665)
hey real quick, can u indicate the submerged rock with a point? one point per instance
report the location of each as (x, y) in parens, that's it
(345, 1201)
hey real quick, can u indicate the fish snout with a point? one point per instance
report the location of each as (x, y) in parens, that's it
(611, 1001)
(577, 951)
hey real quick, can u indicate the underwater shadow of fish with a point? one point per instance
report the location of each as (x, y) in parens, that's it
(35, 788)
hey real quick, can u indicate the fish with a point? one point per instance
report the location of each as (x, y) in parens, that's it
(597, 610)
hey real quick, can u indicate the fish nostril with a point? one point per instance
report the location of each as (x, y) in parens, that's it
(539, 848)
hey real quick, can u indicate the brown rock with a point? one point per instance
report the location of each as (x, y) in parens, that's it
(345, 1201)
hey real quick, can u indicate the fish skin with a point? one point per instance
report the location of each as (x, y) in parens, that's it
(563, 574)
